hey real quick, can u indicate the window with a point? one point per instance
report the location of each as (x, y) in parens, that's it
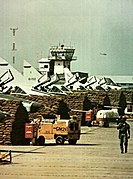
(45, 66)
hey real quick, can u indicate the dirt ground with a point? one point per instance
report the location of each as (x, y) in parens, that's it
(96, 155)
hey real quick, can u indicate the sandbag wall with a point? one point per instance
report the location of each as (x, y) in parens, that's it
(74, 101)
(10, 107)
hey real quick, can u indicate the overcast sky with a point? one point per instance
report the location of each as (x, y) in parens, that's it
(93, 27)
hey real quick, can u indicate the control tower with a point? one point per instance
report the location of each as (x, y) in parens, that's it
(60, 57)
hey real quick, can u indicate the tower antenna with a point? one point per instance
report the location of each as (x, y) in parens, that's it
(14, 44)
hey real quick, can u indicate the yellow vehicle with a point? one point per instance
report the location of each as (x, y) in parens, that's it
(60, 130)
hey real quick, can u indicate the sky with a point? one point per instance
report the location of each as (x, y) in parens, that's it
(100, 30)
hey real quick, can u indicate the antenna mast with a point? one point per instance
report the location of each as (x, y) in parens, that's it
(14, 49)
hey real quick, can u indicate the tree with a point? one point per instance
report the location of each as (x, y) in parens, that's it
(87, 105)
(18, 126)
(122, 104)
(63, 110)
(106, 102)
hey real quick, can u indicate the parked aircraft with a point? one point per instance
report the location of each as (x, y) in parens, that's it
(53, 77)
(107, 83)
(31, 106)
(93, 83)
(3, 116)
(12, 81)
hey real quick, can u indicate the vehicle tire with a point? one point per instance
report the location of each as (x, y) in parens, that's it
(89, 124)
(106, 124)
(59, 140)
(34, 141)
(41, 140)
(101, 123)
(72, 141)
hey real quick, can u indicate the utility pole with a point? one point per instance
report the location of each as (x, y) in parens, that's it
(14, 49)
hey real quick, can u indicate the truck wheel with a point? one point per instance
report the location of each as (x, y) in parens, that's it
(101, 123)
(89, 124)
(59, 140)
(72, 141)
(41, 140)
(34, 141)
(106, 124)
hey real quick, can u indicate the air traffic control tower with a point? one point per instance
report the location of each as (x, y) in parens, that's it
(60, 57)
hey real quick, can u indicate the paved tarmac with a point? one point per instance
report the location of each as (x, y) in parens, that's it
(95, 156)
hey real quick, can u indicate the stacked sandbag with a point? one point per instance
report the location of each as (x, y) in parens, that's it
(2, 127)
(7, 131)
(11, 125)
(7, 116)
